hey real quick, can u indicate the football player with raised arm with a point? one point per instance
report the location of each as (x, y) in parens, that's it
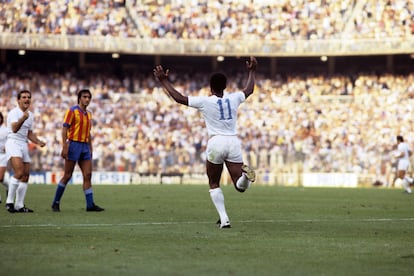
(219, 111)
(20, 124)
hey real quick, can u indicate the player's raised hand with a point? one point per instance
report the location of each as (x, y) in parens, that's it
(251, 64)
(25, 115)
(159, 73)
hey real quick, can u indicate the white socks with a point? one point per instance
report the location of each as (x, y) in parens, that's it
(13, 184)
(406, 185)
(17, 190)
(20, 195)
(243, 183)
(218, 200)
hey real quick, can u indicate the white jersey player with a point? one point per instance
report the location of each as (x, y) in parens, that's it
(20, 126)
(3, 156)
(403, 155)
(219, 111)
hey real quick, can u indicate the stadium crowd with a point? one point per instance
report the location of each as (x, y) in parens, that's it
(77, 17)
(341, 123)
(319, 123)
(206, 19)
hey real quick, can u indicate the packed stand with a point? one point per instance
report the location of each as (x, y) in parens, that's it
(383, 19)
(269, 20)
(307, 123)
(63, 17)
(205, 19)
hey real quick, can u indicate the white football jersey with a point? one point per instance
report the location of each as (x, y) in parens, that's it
(13, 116)
(220, 114)
(403, 147)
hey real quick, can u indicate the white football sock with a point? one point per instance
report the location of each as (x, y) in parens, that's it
(243, 183)
(406, 185)
(13, 184)
(217, 197)
(20, 195)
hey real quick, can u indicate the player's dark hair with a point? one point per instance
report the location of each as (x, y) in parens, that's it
(83, 91)
(218, 82)
(1, 118)
(400, 138)
(19, 95)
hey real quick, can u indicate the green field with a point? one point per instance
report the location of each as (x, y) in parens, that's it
(170, 230)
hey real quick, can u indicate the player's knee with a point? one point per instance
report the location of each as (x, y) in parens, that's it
(87, 175)
(66, 177)
(214, 185)
(18, 175)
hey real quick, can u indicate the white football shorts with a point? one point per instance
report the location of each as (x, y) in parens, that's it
(15, 148)
(403, 164)
(224, 148)
(3, 159)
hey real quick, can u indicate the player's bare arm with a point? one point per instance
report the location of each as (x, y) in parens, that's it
(251, 66)
(65, 145)
(33, 137)
(162, 77)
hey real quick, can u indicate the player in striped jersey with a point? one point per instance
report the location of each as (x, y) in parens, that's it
(77, 148)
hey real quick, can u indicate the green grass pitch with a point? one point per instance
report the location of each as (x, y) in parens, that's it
(170, 230)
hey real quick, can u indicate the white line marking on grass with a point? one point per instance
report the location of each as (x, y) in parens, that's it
(329, 220)
(91, 225)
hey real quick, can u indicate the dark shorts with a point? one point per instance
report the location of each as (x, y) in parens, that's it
(79, 151)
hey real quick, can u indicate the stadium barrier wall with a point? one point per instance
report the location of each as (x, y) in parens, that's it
(350, 180)
(206, 47)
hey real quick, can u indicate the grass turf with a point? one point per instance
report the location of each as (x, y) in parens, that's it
(170, 230)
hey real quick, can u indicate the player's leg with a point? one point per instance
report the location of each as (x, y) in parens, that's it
(85, 165)
(74, 153)
(236, 174)
(24, 174)
(401, 173)
(69, 166)
(3, 168)
(405, 182)
(214, 172)
(22, 189)
(408, 180)
(86, 169)
(241, 175)
(2, 180)
(17, 167)
(408, 171)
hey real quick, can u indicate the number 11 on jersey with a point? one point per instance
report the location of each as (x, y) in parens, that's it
(227, 103)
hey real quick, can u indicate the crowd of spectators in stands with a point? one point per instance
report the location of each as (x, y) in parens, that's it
(78, 17)
(319, 123)
(384, 19)
(270, 20)
(206, 19)
(334, 124)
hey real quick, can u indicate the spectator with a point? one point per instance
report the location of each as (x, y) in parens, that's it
(309, 115)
